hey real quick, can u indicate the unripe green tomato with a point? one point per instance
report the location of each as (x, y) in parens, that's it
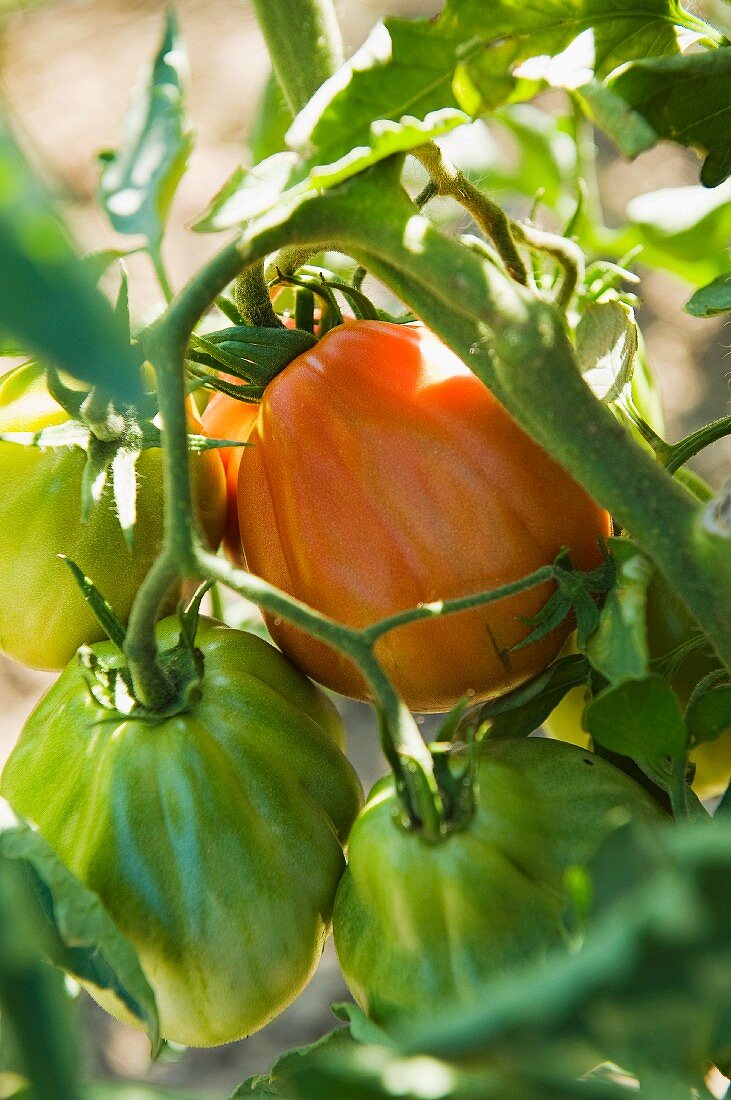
(213, 838)
(423, 927)
(43, 616)
(669, 625)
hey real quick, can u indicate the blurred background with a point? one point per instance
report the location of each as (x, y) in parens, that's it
(67, 68)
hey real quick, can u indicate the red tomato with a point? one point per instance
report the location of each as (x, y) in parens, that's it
(226, 418)
(383, 474)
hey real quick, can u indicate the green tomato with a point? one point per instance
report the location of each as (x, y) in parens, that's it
(213, 838)
(43, 616)
(420, 927)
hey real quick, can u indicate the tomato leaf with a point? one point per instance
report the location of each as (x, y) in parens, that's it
(49, 303)
(711, 300)
(522, 711)
(641, 719)
(683, 98)
(606, 346)
(618, 647)
(82, 938)
(287, 176)
(250, 191)
(139, 179)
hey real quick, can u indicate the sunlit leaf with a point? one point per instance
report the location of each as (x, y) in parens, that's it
(139, 179)
(606, 346)
(685, 98)
(711, 300)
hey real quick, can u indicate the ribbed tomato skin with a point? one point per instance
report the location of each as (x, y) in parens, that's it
(226, 418)
(421, 928)
(213, 838)
(43, 616)
(383, 474)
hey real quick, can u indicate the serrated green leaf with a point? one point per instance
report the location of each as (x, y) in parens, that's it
(140, 179)
(606, 346)
(559, 44)
(404, 68)
(618, 647)
(711, 300)
(49, 303)
(82, 937)
(685, 98)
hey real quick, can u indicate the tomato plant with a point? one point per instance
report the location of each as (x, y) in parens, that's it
(340, 505)
(425, 328)
(213, 837)
(43, 616)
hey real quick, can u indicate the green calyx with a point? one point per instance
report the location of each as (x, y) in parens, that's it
(110, 681)
(252, 354)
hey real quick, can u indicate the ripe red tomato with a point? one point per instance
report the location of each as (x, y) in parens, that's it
(226, 418)
(383, 474)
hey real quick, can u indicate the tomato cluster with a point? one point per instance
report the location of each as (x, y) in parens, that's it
(380, 474)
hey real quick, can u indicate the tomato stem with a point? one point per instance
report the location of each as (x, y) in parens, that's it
(302, 58)
(251, 296)
(680, 452)
(447, 179)
(459, 603)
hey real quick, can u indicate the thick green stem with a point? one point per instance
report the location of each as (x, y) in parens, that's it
(446, 179)
(251, 296)
(152, 685)
(304, 44)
